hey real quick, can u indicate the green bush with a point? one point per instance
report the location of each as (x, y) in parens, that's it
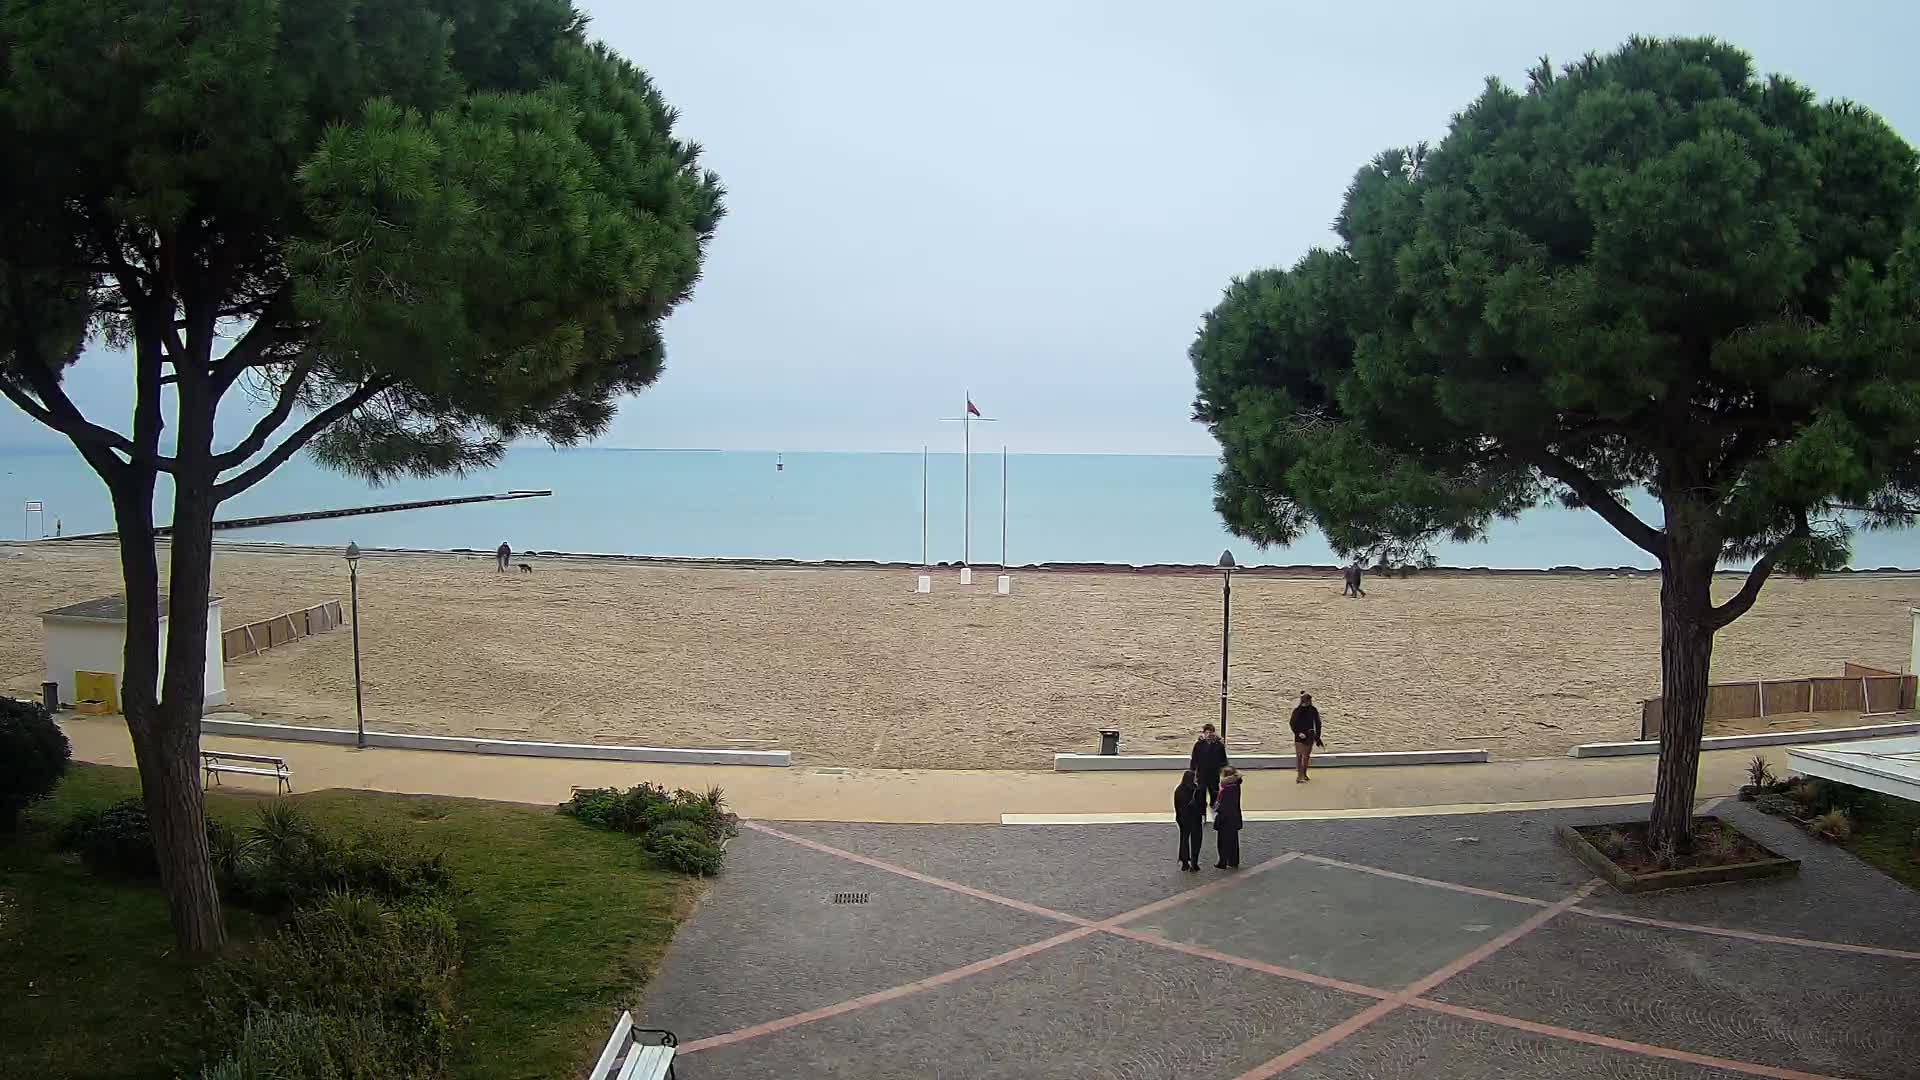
(354, 988)
(34, 754)
(115, 841)
(283, 861)
(686, 846)
(682, 829)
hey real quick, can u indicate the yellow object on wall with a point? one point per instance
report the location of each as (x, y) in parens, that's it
(95, 686)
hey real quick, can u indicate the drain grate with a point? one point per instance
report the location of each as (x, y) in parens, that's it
(851, 897)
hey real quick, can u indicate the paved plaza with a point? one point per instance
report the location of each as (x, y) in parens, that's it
(1465, 946)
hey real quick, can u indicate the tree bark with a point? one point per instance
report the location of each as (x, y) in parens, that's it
(1686, 658)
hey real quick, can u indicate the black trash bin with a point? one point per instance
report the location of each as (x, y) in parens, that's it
(1109, 741)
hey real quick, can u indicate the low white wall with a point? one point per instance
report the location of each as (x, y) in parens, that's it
(1176, 762)
(1735, 742)
(247, 729)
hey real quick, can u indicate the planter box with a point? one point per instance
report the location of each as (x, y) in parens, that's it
(1774, 865)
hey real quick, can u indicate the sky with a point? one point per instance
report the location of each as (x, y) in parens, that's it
(1035, 202)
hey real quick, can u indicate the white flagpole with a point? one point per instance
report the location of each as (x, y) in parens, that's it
(1003, 508)
(923, 506)
(966, 516)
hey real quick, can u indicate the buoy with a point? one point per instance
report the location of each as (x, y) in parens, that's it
(778, 464)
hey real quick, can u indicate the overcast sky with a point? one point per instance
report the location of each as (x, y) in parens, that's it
(1037, 201)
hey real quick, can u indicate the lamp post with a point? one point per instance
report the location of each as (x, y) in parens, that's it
(1226, 631)
(353, 578)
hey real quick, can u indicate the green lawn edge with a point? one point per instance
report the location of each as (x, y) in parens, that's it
(561, 926)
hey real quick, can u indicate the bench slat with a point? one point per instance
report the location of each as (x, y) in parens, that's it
(647, 1063)
(246, 770)
(615, 1043)
(217, 755)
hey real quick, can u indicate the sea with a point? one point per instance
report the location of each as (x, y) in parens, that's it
(732, 504)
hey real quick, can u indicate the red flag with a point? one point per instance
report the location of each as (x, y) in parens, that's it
(972, 409)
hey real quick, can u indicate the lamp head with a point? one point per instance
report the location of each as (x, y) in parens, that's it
(353, 553)
(1226, 560)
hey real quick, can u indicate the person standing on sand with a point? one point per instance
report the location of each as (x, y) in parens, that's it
(503, 557)
(1352, 576)
(1226, 820)
(1190, 813)
(1209, 757)
(1306, 735)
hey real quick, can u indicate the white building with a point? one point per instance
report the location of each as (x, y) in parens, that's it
(92, 637)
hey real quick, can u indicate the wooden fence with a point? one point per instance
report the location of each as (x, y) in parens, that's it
(1860, 689)
(257, 637)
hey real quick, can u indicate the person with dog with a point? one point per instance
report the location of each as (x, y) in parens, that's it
(503, 558)
(1209, 757)
(1305, 723)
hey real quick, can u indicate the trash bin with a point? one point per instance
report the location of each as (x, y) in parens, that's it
(1109, 741)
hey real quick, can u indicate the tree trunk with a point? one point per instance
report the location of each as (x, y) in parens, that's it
(1686, 656)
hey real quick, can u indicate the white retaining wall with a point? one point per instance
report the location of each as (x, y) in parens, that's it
(1735, 742)
(591, 751)
(1107, 762)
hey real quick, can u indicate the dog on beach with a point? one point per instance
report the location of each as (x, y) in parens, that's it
(525, 569)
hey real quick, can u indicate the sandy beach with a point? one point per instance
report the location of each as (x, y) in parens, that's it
(848, 667)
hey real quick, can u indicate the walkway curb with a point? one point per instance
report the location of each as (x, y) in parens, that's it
(1736, 742)
(1176, 762)
(508, 747)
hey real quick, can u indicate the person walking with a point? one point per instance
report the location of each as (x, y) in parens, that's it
(1190, 813)
(1306, 735)
(1209, 757)
(503, 558)
(1352, 587)
(1226, 820)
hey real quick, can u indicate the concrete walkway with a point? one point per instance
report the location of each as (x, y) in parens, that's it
(805, 793)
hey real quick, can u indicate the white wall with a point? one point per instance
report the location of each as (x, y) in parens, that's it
(71, 645)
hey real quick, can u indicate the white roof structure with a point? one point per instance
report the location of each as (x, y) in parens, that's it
(1888, 766)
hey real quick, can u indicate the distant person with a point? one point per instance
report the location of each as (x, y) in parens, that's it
(1190, 813)
(56, 526)
(1306, 735)
(1209, 757)
(503, 558)
(1352, 587)
(1226, 820)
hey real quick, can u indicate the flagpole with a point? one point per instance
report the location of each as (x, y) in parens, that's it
(1003, 508)
(966, 487)
(923, 506)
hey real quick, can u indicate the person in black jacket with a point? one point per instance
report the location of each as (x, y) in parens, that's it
(1226, 820)
(1190, 813)
(1306, 735)
(1209, 757)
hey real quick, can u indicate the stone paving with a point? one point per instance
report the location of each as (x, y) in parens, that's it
(1436, 946)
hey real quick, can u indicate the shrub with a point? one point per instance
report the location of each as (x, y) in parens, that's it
(1612, 843)
(1835, 825)
(686, 846)
(1759, 773)
(353, 988)
(283, 862)
(1805, 792)
(34, 754)
(115, 841)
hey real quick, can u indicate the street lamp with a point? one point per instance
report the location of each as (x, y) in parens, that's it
(1226, 631)
(353, 577)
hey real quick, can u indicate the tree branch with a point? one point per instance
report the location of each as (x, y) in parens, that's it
(320, 421)
(261, 336)
(57, 411)
(1600, 501)
(270, 423)
(1739, 603)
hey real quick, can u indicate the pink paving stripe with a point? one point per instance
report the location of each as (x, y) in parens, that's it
(881, 997)
(1352, 1024)
(1248, 962)
(1645, 1049)
(1750, 935)
(915, 875)
(1435, 882)
(1196, 893)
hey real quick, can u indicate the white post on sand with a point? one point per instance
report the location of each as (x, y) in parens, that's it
(923, 584)
(1003, 586)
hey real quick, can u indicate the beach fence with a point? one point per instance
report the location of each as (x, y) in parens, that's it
(257, 637)
(1859, 689)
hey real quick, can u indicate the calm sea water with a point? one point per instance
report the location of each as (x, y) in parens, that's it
(736, 504)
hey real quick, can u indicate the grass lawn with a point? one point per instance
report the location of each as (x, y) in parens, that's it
(560, 927)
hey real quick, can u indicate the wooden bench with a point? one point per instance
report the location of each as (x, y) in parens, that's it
(627, 1058)
(215, 762)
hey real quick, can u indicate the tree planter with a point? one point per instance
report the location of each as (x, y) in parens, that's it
(1760, 861)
